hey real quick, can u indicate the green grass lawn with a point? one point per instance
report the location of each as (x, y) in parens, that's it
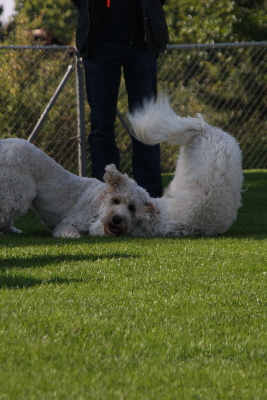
(137, 318)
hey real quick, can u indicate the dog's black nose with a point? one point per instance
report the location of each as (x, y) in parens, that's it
(117, 220)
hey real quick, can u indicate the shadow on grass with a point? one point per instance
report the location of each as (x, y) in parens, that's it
(43, 260)
(19, 282)
(33, 238)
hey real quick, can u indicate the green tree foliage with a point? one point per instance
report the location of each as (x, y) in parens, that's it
(207, 21)
(251, 20)
(200, 21)
(60, 16)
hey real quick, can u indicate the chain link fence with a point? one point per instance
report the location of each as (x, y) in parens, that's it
(30, 76)
(41, 99)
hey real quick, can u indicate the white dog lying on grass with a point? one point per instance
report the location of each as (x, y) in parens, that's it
(202, 199)
(67, 204)
(204, 195)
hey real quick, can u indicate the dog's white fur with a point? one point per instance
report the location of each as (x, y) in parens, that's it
(205, 193)
(202, 199)
(67, 204)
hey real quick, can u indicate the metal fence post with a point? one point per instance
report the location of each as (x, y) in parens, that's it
(51, 103)
(80, 116)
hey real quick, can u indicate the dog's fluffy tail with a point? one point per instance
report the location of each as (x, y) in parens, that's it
(156, 122)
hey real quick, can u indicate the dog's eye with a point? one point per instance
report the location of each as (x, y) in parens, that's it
(116, 201)
(131, 207)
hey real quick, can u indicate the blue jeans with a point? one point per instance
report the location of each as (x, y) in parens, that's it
(103, 75)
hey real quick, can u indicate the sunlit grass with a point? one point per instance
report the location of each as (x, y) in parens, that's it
(137, 318)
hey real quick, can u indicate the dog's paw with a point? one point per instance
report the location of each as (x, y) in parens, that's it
(15, 230)
(11, 229)
(66, 231)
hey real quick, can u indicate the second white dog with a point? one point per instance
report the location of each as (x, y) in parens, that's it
(204, 195)
(68, 205)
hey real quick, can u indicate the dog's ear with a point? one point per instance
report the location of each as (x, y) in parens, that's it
(152, 208)
(147, 213)
(113, 177)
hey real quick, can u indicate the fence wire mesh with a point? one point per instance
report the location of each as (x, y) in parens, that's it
(29, 79)
(226, 83)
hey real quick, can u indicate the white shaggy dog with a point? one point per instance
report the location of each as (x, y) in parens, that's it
(67, 204)
(202, 199)
(204, 195)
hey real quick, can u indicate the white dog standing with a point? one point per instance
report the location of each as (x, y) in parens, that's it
(204, 195)
(67, 204)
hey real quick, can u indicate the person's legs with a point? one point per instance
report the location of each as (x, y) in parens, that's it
(140, 73)
(102, 76)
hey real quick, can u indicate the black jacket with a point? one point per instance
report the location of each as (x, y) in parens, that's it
(156, 30)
